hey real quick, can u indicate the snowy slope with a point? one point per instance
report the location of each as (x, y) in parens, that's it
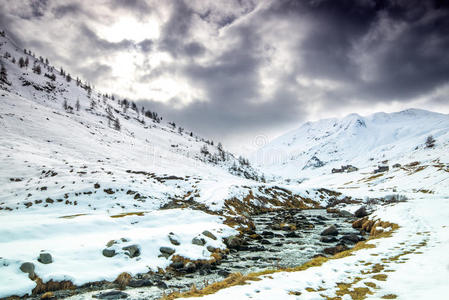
(364, 142)
(71, 181)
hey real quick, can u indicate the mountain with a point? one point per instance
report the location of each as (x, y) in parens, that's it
(315, 148)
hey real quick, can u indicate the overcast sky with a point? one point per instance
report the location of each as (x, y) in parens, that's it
(244, 72)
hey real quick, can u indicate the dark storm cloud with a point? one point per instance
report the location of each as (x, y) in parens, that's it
(64, 10)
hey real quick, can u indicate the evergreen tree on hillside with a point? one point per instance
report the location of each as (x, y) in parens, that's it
(27, 62)
(117, 125)
(77, 105)
(21, 62)
(4, 74)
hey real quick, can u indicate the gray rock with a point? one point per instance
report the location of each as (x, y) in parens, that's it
(111, 295)
(110, 243)
(177, 265)
(28, 267)
(45, 258)
(345, 214)
(173, 239)
(167, 250)
(335, 250)
(326, 239)
(331, 230)
(353, 238)
(233, 242)
(209, 234)
(190, 267)
(109, 252)
(361, 212)
(135, 283)
(198, 241)
(132, 250)
(211, 249)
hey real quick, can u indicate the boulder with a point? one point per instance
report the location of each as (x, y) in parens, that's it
(109, 252)
(174, 239)
(209, 234)
(326, 239)
(166, 251)
(361, 212)
(331, 230)
(27, 267)
(111, 295)
(45, 258)
(352, 238)
(136, 283)
(132, 250)
(335, 250)
(110, 243)
(198, 241)
(190, 267)
(233, 242)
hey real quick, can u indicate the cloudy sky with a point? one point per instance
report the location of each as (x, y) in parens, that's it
(244, 71)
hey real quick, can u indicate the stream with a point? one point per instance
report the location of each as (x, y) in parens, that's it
(270, 246)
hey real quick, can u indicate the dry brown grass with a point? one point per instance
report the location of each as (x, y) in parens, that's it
(51, 285)
(122, 280)
(138, 213)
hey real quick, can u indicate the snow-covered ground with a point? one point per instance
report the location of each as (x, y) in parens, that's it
(411, 264)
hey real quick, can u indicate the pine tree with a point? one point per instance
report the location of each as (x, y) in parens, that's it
(21, 62)
(117, 125)
(68, 78)
(13, 60)
(3, 74)
(65, 105)
(27, 62)
(430, 142)
(77, 105)
(37, 69)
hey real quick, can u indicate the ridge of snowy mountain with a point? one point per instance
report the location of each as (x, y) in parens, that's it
(315, 148)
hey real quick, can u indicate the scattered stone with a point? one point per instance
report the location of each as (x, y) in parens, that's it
(49, 200)
(28, 267)
(45, 258)
(268, 234)
(292, 234)
(132, 250)
(233, 242)
(190, 267)
(335, 250)
(331, 230)
(174, 239)
(353, 238)
(135, 283)
(109, 191)
(211, 249)
(97, 185)
(209, 234)
(177, 265)
(198, 241)
(109, 252)
(361, 212)
(344, 213)
(223, 273)
(111, 295)
(265, 242)
(110, 243)
(326, 239)
(162, 285)
(166, 251)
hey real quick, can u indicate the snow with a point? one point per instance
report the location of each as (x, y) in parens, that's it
(76, 243)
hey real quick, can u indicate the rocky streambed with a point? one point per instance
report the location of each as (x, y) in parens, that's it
(281, 239)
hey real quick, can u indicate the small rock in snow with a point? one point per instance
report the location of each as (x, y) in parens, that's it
(209, 234)
(109, 252)
(132, 250)
(27, 267)
(198, 241)
(45, 258)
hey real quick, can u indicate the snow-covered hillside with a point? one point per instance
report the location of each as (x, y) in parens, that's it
(380, 139)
